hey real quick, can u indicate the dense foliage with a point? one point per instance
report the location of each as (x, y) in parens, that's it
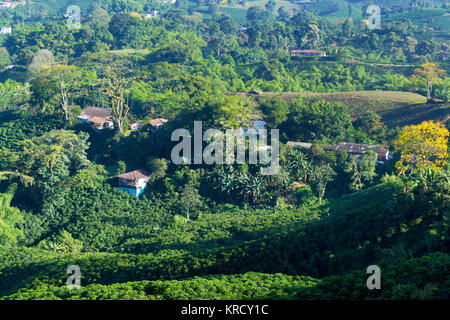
(225, 231)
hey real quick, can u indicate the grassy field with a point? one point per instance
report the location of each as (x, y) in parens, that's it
(395, 108)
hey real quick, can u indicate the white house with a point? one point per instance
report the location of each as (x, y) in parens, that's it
(5, 30)
(157, 123)
(6, 4)
(97, 117)
(152, 14)
(133, 182)
(134, 125)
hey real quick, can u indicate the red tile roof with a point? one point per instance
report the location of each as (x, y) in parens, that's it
(157, 121)
(134, 175)
(97, 120)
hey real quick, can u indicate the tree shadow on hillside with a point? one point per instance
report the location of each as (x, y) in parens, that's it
(415, 114)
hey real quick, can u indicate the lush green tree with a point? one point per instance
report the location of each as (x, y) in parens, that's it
(116, 86)
(48, 161)
(283, 14)
(233, 112)
(121, 167)
(429, 73)
(256, 14)
(227, 24)
(362, 169)
(320, 177)
(318, 120)
(63, 242)
(298, 165)
(11, 94)
(10, 218)
(61, 82)
(213, 7)
(5, 58)
(222, 44)
(370, 123)
(42, 58)
(347, 27)
(270, 6)
(189, 199)
(275, 111)
(157, 168)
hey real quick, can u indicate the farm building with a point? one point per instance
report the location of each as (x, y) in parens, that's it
(353, 149)
(157, 123)
(358, 149)
(309, 53)
(6, 4)
(98, 118)
(97, 122)
(90, 112)
(134, 125)
(134, 182)
(152, 14)
(5, 30)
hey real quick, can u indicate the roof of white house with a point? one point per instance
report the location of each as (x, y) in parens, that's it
(157, 121)
(90, 112)
(5, 30)
(134, 175)
(97, 120)
(357, 147)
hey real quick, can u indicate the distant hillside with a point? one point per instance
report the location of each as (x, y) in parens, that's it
(396, 108)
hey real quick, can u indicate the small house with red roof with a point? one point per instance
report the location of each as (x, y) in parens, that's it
(98, 118)
(157, 123)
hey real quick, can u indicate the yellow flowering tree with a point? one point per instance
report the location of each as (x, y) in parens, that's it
(136, 15)
(428, 73)
(422, 147)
